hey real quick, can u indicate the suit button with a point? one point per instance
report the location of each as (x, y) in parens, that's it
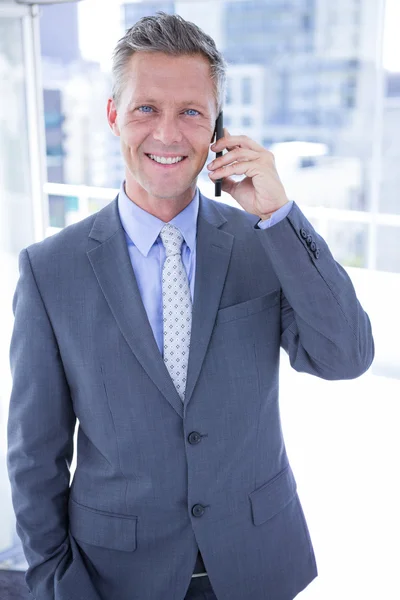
(317, 253)
(303, 233)
(309, 240)
(194, 437)
(313, 246)
(198, 510)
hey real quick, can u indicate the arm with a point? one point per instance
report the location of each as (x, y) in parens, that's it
(323, 326)
(324, 329)
(40, 437)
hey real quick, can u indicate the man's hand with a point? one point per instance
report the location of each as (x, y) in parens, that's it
(261, 192)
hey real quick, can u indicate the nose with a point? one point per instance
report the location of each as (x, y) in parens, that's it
(167, 130)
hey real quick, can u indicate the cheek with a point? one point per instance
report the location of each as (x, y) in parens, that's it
(202, 143)
(206, 148)
(134, 135)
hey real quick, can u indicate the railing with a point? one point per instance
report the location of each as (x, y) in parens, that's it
(83, 193)
(321, 214)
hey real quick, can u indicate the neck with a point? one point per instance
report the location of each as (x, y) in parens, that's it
(164, 208)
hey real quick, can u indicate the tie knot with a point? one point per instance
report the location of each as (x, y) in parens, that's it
(172, 239)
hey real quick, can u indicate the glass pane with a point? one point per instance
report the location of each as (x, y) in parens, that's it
(348, 243)
(16, 231)
(389, 199)
(388, 243)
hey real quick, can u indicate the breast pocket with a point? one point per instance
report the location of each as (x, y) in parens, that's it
(247, 308)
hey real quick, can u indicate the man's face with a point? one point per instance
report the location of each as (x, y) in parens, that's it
(167, 109)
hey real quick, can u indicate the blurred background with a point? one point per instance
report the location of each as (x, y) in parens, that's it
(318, 83)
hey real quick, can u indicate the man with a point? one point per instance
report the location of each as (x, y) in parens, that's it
(182, 488)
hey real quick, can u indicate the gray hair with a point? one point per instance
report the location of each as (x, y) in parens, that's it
(173, 35)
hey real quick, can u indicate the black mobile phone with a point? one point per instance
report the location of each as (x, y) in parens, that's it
(219, 133)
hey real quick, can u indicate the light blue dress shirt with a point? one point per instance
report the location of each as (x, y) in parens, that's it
(147, 252)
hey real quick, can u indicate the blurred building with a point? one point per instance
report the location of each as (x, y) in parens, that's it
(54, 119)
(59, 50)
(316, 66)
(388, 254)
(80, 146)
(55, 151)
(93, 151)
(317, 56)
(389, 197)
(133, 11)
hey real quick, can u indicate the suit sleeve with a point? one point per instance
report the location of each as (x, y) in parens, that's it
(276, 217)
(324, 329)
(40, 437)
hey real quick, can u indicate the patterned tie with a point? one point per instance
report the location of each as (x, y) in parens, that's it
(177, 309)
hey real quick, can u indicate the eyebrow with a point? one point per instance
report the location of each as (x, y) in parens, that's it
(144, 101)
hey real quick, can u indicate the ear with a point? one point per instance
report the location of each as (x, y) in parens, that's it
(112, 117)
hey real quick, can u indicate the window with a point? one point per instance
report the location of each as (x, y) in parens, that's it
(247, 90)
(247, 121)
(228, 98)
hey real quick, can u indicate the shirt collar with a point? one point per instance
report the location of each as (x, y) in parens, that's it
(143, 228)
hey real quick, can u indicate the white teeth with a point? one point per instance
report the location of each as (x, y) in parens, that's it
(166, 161)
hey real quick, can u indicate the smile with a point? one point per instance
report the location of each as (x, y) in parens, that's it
(166, 161)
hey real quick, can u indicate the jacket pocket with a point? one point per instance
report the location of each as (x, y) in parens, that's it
(249, 307)
(92, 526)
(272, 497)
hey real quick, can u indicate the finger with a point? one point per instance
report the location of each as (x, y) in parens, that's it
(238, 154)
(241, 141)
(248, 167)
(226, 135)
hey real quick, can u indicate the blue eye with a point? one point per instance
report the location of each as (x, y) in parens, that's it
(192, 110)
(140, 107)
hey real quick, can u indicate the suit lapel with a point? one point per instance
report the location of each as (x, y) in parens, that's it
(112, 266)
(213, 253)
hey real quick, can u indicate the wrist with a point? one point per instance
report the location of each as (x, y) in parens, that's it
(267, 216)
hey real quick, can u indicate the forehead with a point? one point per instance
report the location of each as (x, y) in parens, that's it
(159, 74)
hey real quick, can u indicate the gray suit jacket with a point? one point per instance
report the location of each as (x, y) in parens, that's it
(156, 479)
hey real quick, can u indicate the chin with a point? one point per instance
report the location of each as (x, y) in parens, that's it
(168, 191)
(166, 194)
